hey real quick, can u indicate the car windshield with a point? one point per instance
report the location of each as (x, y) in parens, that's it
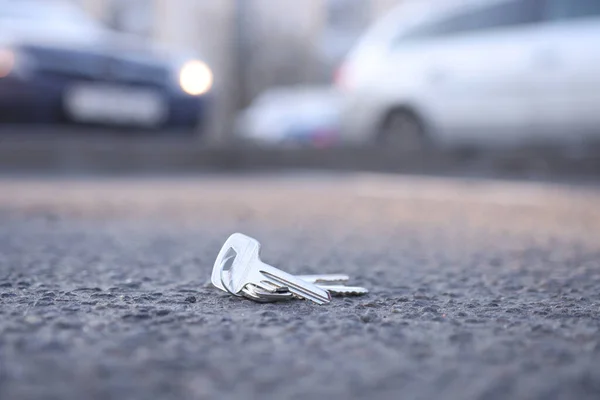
(45, 14)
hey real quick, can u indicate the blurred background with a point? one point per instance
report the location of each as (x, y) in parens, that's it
(408, 75)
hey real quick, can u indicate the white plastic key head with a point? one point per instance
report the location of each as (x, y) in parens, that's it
(238, 251)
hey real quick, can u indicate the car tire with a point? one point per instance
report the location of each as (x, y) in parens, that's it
(404, 130)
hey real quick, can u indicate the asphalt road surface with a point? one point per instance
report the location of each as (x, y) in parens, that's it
(479, 290)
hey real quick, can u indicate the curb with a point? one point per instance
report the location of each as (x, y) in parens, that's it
(92, 154)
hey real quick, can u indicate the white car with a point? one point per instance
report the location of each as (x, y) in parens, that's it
(476, 72)
(306, 116)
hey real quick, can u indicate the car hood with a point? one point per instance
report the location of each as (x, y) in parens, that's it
(88, 40)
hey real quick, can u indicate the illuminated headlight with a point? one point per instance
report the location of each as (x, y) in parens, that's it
(7, 62)
(195, 78)
(15, 63)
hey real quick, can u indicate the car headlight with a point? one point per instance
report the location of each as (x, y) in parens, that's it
(15, 63)
(7, 62)
(195, 78)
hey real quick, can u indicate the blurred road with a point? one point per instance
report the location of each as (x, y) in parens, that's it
(480, 289)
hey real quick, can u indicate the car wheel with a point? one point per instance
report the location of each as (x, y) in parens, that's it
(403, 130)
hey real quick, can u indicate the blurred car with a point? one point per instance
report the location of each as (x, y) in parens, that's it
(59, 65)
(301, 116)
(476, 72)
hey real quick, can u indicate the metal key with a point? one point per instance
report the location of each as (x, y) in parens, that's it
(262, 296)
(341, 290)
(319, 280)
(265, 296)
(325, 278)
(323, 281)
(247, 268)
(282, 294)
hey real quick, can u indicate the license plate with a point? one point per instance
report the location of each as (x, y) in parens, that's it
(115, 105)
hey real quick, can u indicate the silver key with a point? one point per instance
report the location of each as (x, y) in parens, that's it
(247, 268)
(341, 290)
(282, 294)
(262, 296)
(325, 278)
(334, 290)
(323, 281)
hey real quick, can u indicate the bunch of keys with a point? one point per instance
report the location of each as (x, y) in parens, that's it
(249, 277)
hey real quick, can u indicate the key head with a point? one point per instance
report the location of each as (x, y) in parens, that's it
(244, 251)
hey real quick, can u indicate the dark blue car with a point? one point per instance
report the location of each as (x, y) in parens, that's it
(57, 65)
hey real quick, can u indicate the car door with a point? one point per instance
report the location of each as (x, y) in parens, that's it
(567, 79)
(480, 73)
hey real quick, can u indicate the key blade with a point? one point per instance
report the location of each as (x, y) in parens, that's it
(295, 285)
(326, 278)
(334, 290)
(341, 290)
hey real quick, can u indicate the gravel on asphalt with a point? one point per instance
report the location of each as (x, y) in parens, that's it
(477, 292)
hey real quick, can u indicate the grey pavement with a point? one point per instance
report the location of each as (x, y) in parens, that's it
(479, 290)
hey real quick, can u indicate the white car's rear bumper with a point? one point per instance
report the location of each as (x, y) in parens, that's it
(359, 119)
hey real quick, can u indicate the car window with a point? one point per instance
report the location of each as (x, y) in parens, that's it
(507, 14)
(480, 18)
(572, 9)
